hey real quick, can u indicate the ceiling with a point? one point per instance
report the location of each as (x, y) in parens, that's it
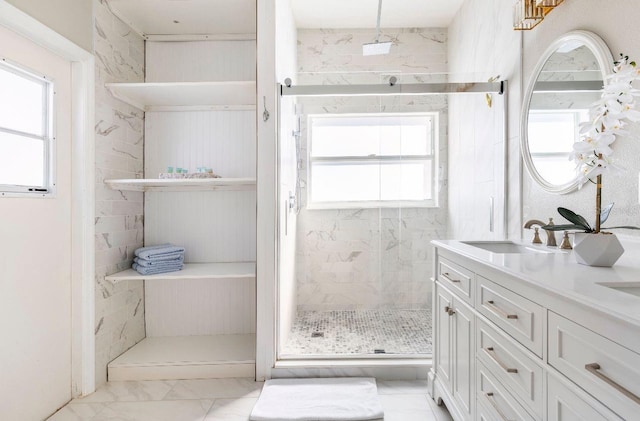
(363, 13)
(153, 17)
(170, 17)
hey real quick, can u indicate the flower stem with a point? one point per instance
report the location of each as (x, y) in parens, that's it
(598, 202)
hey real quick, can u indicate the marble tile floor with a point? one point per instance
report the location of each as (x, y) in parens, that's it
(223, 400)
(360, 332)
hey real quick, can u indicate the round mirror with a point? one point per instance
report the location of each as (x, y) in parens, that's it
(565, 83)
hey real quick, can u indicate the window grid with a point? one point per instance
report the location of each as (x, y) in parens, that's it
(46, 137)
(429, 159)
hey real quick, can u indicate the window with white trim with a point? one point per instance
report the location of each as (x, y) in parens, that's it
(372, 160)
(25, 131)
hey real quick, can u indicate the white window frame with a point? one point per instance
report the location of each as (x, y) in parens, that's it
(48, 92)
(575, 113)
(433, 157)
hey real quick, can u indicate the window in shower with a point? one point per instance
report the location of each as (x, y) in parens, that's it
(372, 160)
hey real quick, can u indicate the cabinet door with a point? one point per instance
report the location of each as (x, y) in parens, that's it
(443, 339)
(463, 357)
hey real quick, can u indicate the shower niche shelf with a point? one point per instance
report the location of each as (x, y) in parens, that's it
(195, 184)
(241, 270)
(185, 96)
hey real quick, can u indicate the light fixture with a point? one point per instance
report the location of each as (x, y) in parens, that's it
(527, 14)
(377, 47)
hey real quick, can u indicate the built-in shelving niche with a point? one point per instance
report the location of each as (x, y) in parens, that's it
(200, 321)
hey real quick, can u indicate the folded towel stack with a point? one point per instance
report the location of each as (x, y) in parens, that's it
(158, 259)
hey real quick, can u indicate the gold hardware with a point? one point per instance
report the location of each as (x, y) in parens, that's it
(593, 369)
(526, 15)
(529, 13)
(488, 97)
(493, 403)
(494, 357)
(536, 236)
(551, 236)
(566, 244)
(451, 312)
(448, 277)
(492, 305)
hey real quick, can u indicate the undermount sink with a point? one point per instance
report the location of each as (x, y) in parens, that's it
(632, 288)
(505, 247)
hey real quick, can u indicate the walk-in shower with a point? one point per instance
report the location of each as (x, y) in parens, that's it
(362, 189)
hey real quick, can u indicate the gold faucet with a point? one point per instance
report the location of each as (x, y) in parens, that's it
(551, 237)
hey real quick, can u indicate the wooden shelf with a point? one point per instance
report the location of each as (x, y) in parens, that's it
(193, 271)
(182, 184)
(186, 357)
(239, 95)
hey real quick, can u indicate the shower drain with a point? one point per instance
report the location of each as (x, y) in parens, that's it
(379, 351)
(317, 334)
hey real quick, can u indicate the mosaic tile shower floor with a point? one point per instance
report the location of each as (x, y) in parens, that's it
(360, 332)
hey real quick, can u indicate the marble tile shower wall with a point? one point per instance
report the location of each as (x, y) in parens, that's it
(119, 54)
(483, 43)
(369, 258)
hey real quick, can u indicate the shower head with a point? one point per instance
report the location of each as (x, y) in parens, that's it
(377, 47)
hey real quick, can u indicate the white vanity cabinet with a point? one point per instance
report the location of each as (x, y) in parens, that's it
(455, 333)
(506, 349)
(455, 352)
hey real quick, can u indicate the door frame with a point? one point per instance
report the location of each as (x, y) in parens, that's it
(82, 189)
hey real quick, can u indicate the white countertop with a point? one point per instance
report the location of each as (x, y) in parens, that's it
(559, 273)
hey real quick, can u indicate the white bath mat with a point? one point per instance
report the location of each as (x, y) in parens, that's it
(334, 399)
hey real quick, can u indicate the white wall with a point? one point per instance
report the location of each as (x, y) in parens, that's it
(481, 40)
(70, 18)
(482, 44)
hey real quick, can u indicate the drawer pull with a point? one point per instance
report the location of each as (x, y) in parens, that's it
(494, 357)
(449, 311)
(593, 369)
(493, 403)
(448, 277)
(500, 311)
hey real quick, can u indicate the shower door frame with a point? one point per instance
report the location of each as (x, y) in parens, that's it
(372, 361)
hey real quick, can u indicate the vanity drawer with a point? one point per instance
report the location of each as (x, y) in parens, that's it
(493, 396)
(519, 317)
(515, 369)
(605, 369)
(565, 405)
(457, 278)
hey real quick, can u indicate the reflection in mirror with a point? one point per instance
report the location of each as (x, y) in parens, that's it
(555, 116)
(567, 81)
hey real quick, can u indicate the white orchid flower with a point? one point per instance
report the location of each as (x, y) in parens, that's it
(608, 118)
